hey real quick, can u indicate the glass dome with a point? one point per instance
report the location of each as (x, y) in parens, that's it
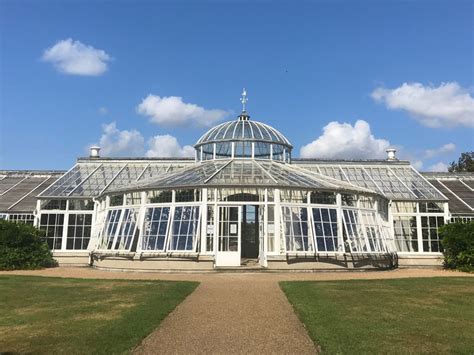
(243, 138)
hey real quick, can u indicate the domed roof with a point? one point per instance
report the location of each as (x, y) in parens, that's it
(243, 129)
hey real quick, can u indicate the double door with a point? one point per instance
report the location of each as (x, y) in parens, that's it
(229, 235)
(239, 234)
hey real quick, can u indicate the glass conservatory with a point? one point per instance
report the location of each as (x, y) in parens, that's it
(241, 200)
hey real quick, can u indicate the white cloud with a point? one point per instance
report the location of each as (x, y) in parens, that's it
(115, 142)
(444, 149)
(343, 141)
(447, 105)
(440, 166)
(168, 146)
(172, 111)
(76, 58)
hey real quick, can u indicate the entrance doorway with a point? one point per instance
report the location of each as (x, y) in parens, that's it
(229, 235)
(250, 231)
(239, 231)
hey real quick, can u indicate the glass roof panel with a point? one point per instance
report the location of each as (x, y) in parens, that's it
(237, 130)
(218, 132)
(248, 130)
(359, 177)
(266, 133)
(395, 182)
(195, 175)
(243, 129)
(153, 171)
(240, 172)
(69, 181)
(273, 135)
(98, 180)
(332, 171)
(256, 130)
(128, 175)
(417, 183)
(389, 183)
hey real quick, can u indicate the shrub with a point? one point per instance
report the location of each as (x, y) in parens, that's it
(22, 247)
(458, 243)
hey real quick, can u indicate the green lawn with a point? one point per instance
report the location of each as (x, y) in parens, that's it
(422, 315)
(55, 315)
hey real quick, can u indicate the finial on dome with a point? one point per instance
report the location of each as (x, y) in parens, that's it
(243, 99)
(244, 115)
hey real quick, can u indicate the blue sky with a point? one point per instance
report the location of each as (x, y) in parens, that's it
(404, 68)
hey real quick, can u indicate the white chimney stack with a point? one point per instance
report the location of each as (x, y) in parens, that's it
(391, 154)
(95, 152)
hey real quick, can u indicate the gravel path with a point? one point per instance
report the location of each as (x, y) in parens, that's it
(91, 273)
(233, 313)
(234, 317)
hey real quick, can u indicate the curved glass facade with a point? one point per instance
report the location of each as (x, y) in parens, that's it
(291, 221)
(242, 198)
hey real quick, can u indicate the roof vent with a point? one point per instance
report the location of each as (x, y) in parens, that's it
(95, 152)
(391, 154)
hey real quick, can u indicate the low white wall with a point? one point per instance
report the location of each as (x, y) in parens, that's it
(202, 264)
(330, 263)
(414, 260)
(80, 258)
(206, 263)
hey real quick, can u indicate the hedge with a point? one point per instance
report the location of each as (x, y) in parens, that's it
(22, 247)
(458, 244)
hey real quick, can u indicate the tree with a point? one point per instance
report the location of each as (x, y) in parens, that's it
(465, 163)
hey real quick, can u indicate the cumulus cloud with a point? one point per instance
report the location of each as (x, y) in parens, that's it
(447, 105)
(168, 146)
(172, 111)
(75, 58)
(440, 166)
(344, 141)
(444, 149)
(115, 142)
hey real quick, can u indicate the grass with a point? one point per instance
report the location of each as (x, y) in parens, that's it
(401, 316)
(78, 316)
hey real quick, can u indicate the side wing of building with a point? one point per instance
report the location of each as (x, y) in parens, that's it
(459, 189)
(19, 190)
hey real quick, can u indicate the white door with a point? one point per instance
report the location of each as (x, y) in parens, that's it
(228, 236)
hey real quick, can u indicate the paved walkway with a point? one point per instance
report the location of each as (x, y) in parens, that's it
(232, 313)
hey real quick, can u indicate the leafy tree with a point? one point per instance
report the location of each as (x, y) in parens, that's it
(22, 247)
(465, 163)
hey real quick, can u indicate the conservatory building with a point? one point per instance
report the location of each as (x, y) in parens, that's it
(242, 202)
